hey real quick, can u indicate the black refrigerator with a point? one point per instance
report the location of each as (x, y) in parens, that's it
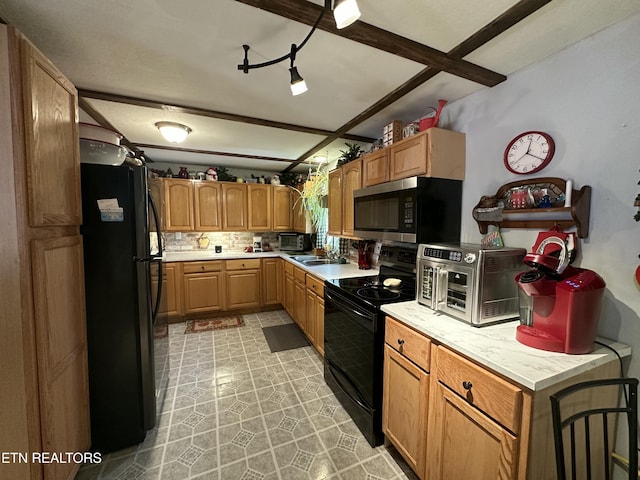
(118, 263)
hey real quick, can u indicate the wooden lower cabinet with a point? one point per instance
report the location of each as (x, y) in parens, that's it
(289, 289)
(315, 312)
(271, 281)
(171, 295)
(242, 282)
(404, 408)
(452, 418)
(203, 287)
(300, 298)
(490, 450)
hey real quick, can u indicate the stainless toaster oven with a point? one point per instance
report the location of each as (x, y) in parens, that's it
(295, 242)
(469, 282)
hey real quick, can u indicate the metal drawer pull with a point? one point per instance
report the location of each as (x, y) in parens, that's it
(467, 385)
(400, 342)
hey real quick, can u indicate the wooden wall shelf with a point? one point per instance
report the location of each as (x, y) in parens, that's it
(565, 217)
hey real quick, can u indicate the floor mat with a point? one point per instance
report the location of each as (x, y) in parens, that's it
(284, 337)
(208, 324)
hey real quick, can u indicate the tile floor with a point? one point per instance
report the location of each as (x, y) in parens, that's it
(234, 410)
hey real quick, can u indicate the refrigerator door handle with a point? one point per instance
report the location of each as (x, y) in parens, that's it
(156, 218)
(157, 258)
(156, 307)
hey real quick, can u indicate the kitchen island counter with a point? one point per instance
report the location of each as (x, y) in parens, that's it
(496, 347)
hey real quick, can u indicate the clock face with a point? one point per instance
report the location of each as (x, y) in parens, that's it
(529, 152)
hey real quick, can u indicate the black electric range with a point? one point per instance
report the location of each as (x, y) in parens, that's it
(354, 335)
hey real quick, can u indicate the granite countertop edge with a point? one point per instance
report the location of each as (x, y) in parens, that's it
(495, 347)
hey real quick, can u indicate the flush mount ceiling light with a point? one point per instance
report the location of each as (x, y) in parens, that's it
(173, 132)
(345, 13)
(320, 158)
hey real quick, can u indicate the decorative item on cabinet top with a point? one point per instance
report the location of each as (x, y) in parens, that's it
(536, 203)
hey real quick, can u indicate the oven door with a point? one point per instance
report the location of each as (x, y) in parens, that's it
(353, 361)
(458, 296)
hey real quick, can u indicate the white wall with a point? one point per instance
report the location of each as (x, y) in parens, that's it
(588, 98)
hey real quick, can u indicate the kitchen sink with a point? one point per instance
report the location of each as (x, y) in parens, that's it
(321, 261)
(313, 260)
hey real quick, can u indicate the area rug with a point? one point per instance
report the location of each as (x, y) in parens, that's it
(284, 337)
(208, 324)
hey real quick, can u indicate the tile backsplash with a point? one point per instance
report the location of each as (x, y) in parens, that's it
(229, 241)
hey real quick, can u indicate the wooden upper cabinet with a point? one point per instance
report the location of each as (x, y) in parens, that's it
(178, 194)
(260, 209)
(282, 209)
(52, 150)
(207, 206)
(234, 211)
(351, 181)
(335, 202)
(435, 153)
(375, 168)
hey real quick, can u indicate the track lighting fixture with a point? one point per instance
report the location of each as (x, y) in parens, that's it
(345, 13)
(173, 132)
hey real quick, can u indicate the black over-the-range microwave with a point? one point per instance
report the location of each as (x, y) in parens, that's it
(413, 210)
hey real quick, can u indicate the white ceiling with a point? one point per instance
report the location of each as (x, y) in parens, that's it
(186, 54)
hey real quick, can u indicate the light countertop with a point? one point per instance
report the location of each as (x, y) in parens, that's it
(496, 347)
(324, 272)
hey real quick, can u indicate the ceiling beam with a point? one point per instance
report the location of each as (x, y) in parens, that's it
(141, 102)
(307, 12)
(500, 24)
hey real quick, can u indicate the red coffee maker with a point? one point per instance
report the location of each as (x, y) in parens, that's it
(565, 301)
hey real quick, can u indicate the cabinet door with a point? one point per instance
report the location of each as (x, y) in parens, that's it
(52, 150)
(282, 209)
(289, 290)
(352, 181)
(243, 289)
(300, 305)
(270, 281)
(335, 202)
(207, 206)
(490, 451)
(301, 223)
(311, 316)
(178, 197)
(404, 408)
(203, 292)
(260, 209)
(234, 207)
(60, 332)
(375, 168)
(320, 325)
(408, 157)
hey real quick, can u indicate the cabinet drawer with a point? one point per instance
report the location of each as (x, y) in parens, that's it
(413, 345)
(199, 267)
(243, 264)
(315, 284)
(299, 274)
(288, 267)
(496, 397)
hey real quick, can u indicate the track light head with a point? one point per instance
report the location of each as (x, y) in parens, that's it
(345, 12)
(298, 84)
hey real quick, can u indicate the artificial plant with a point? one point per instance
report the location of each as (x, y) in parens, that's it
(312, 200)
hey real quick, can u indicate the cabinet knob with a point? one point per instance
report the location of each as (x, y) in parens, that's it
(400, 342)
(201, 267)
(467, 385)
